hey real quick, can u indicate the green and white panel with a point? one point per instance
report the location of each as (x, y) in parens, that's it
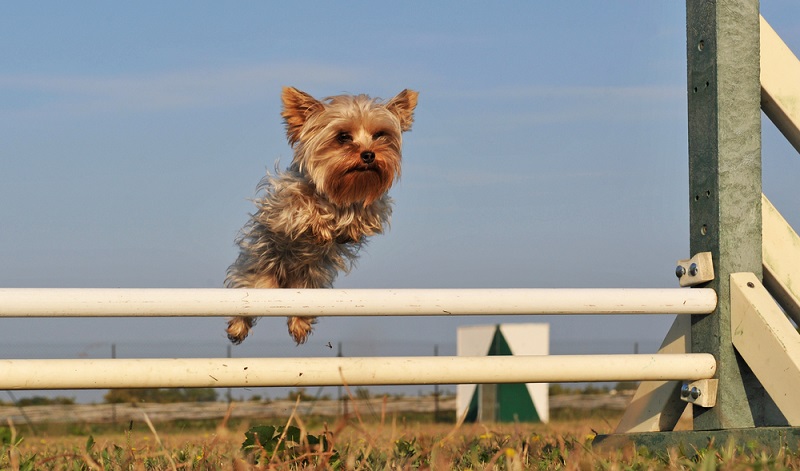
(512, 402)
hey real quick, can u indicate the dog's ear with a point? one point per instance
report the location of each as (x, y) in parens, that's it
(297, 108)
(403, 106)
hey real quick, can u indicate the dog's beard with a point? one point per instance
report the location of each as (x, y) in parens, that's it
(349, 184)
(344, 178)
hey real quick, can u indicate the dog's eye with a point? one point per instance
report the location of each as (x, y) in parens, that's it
(344, 138)
(379, 135)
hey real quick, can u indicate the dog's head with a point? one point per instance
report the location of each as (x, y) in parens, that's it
(348, 146)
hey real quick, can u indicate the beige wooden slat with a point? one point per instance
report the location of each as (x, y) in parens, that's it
(781, 258)
(767, 342)
(657, 406)
(780, 84)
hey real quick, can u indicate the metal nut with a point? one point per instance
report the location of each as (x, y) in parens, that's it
(693, 269)
(680, 271)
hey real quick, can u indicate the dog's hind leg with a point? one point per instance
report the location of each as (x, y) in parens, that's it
(239, 327)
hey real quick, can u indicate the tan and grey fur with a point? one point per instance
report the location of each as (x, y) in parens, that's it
(312, 218)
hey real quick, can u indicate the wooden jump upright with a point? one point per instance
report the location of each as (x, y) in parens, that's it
(736, 66)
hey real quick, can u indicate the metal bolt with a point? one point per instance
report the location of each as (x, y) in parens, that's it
(680, 271)
(693, 269)
(685, 390)
(695, 393)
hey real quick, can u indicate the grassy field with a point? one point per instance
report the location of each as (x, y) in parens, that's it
(378, 443)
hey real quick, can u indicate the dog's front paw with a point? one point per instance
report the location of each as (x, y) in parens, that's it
(300, 328)
(238, 328)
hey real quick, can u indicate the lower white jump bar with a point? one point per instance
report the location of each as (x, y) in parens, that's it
(258, 372)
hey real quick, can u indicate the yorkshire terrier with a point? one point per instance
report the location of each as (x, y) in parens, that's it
(314, 217)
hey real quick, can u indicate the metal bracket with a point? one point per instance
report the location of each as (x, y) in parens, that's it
(696, 270)
(701, 393)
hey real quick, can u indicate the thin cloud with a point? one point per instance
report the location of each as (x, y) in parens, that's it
(539, 105)
(492, 177)
(173, 90)
(645, 92)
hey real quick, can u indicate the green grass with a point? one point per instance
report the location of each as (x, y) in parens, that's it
(364, 443)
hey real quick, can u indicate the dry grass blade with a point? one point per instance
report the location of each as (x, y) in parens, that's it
(370, 439)
(455, 429)
(285, 430)
(90, 463)
(158, 440)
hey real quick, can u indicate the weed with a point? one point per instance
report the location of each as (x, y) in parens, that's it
(268, 443)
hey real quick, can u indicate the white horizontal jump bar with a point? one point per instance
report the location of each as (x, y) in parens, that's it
(257, 372)
(82, 302)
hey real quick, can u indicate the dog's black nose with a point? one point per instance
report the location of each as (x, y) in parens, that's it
(368, 157)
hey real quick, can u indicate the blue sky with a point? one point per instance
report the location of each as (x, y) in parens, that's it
(549, 150)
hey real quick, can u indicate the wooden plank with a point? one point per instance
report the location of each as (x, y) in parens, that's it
(781, 254)
(767, 341)
(780, 84)
(657, 405)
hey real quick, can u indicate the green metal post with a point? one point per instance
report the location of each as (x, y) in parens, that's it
(724, 93)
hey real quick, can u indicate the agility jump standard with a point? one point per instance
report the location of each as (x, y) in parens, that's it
(737, 66)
